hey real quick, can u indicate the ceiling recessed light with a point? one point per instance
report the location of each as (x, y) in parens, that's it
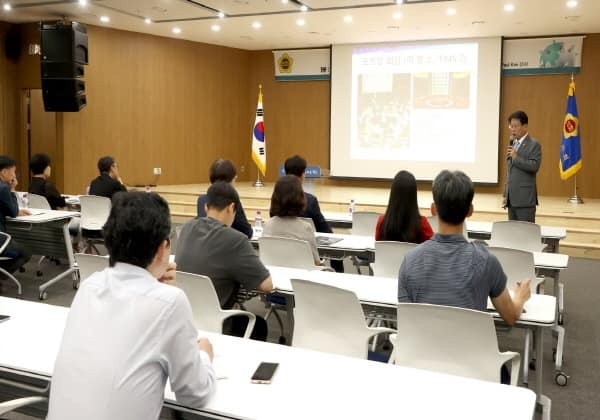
(148, 21)
(509, 7)
(304, 8)
(572, 3)
(221, 15)
(397, 15)
(256, 25)
(284, 1)
(451, 11)
(104, 19)
(7, 7)
(215, 28)
(348, 19)
(176, 30)
(300, 22)
(399, 1)
(82, 2)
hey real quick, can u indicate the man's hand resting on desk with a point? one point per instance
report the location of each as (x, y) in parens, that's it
(205, 345)
(24, 212)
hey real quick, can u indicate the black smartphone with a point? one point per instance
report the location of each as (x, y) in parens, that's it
(264, 373)
(4, 318)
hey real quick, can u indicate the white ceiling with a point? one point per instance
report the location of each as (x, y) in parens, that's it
(372, 20)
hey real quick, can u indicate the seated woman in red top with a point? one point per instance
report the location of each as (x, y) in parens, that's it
(402, 221)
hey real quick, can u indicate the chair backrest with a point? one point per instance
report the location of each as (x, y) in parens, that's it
(389, 256)
(364, 223)
(88, 264)
(203, 298)
(517, 265)
(328, 319)
(94, 211)
(38, 202)
(433, 222)
(285, 252)
(450, 340)
(525, 236)
(310, 222)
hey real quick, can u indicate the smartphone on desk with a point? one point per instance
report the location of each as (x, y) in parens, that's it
(4, 318)
(264, 373)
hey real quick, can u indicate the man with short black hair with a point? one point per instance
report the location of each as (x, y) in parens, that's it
(448, 269)
(524, 157)
(9, 207)
(296, 165)
(108, 183)
(40, 185)
(129, 328)
(224, 170)
(208, 246)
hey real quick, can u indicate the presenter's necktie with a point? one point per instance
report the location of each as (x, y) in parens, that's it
(517, 145)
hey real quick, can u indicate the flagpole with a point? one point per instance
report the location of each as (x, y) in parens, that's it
(575, 199)
(258, 183)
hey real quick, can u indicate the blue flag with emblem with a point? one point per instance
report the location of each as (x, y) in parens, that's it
(570, 148)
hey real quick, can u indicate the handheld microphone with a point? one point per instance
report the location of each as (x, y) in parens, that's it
(512, 140)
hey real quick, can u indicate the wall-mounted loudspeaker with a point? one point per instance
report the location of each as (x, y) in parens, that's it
(64, 53)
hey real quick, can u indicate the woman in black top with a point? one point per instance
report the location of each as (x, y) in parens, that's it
(41, 170)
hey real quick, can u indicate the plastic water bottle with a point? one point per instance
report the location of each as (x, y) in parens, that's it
(258, 224)
(25, 200)
(351, 206)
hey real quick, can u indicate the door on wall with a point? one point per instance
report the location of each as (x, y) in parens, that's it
(39, 137)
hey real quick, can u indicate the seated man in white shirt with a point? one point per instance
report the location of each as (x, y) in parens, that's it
(129, 328)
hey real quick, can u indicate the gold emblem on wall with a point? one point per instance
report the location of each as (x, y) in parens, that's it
(285, 63)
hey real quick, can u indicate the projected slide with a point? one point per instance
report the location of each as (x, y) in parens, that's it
(422, 106)
(411, 103)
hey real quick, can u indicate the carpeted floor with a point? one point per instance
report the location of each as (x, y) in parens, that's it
(578, 400)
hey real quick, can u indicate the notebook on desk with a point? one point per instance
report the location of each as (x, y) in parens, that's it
(326, 240)
(35, 212)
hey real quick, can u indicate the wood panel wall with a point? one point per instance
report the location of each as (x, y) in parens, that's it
(178, 105)
(158, 102)
(9, 100)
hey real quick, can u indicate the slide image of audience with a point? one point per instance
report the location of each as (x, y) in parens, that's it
(442, 90)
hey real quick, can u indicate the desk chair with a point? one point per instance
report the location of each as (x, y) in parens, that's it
(206, 309)
(519, 265)
(363, 224)
(330, 319)
(88, 264)
(8, 406)
(284, 252)
(94, 213)
(389, 256)
(525, 236)
(4, 241)
(450, 340)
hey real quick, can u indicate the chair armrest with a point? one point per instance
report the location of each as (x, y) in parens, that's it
(8, 406)
(323, 268)
(5, 238)
(251, 319)
(392, 338)
(515, 365)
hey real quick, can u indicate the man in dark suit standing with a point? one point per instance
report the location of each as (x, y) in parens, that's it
(296, 165)
(524, 156)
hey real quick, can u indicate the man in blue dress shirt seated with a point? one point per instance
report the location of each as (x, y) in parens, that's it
(448, 269)
(129, 328)
(224, 170)
(16, 255)
(296, 165)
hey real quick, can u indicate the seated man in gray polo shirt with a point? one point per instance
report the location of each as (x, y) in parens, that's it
(448, 269)
(210, 247)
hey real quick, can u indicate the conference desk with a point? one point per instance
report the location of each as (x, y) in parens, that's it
(46, 233)
(539, 311)
(307, 384)
(551, 235)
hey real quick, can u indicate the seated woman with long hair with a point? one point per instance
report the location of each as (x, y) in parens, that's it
(402, 221)
(287, 206)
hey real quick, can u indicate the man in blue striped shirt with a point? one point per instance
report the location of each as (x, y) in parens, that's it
(448, 269)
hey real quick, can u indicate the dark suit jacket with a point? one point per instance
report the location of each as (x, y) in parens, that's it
(43, 187)
(8, 205)
(313, 211)
(106, 186)
(240, 223)
(520, 189)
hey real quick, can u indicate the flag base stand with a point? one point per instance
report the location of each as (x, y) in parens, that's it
(258, 183)
(575, 199)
